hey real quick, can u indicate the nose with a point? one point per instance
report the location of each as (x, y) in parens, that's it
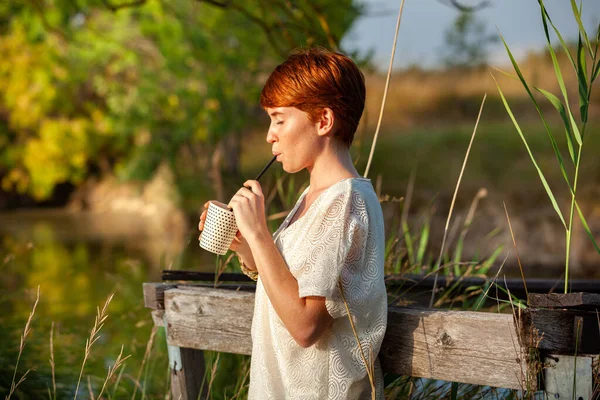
(270, 136)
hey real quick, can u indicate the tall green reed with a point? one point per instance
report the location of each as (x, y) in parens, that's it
(574, 131)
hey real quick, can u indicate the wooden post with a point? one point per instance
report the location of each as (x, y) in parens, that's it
(568, 377)
(187, 366)
(187, 373)
(569, 369)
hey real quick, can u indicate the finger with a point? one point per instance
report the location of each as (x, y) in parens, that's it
(202, 221)
(205, 206)
(254, 186)
(245, 192)
(236, 200)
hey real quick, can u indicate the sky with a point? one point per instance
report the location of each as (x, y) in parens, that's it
(421, 36)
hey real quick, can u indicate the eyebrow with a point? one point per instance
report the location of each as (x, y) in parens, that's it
(275, 113)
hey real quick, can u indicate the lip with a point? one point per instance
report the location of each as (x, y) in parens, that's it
(277, 154)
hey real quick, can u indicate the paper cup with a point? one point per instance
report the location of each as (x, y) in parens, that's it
(219, 229)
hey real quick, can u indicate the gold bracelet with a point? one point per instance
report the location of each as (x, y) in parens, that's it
(249, 273)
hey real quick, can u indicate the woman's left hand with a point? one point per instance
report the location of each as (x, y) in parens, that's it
(248, 205)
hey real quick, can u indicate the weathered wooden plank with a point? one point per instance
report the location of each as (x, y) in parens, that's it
(558, 331)
(209, 319)
(183, 275)
(477, 348)
(154, 294)
(186, 379)
(460, 346)
(549, 330)
(565, 300)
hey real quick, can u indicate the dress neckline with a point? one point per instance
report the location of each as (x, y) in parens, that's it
(286, 224)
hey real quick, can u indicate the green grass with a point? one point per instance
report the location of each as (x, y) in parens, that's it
(498, 160)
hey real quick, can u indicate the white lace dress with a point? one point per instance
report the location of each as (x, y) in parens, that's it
(340, 236)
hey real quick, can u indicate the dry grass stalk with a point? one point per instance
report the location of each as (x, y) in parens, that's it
(213, 372)
(111, 370)
(116, 384)
(385, 90)
(485, 295)
(14, 386)
(369, 365)
(52, 365)
(101, 316)
(439, 260)
(149, 345)
(512, 235)
(408, 197)
(517, 347)
(89, 386)
(526, 351)
(481, 194)
(26, 332)
(221, 268)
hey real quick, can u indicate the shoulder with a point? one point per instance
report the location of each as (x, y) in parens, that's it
(354, 198)
(349, 188)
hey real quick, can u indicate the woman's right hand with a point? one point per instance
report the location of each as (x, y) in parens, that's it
(239, 243)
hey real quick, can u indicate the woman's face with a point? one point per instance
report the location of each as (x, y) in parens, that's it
(294, 138)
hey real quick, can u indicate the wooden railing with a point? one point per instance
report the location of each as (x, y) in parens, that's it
(491, 349)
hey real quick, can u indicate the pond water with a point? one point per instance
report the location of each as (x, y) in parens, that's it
(77, 261)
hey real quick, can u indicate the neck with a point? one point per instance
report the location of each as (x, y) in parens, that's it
(332, 165)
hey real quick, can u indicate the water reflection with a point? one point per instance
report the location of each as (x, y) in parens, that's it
(78, 261)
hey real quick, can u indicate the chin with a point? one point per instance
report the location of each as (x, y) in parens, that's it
(290, 170)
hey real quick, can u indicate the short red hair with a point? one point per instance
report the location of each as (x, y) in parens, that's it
(315, 79)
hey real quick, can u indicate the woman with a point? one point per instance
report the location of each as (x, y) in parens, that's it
(328, 254)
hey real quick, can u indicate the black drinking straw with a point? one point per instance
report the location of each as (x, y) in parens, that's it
(266, 168)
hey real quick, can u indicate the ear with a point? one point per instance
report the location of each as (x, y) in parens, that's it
(326, 122)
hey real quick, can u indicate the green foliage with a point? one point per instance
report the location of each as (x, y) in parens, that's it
(575, 135)
(89, 86)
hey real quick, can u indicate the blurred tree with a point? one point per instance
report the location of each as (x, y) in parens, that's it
(466, 42)
(474, 6)
(96, 87)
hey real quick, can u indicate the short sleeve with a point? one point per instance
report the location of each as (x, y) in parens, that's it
(335, 239)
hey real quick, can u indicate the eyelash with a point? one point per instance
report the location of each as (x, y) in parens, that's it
(279, 123)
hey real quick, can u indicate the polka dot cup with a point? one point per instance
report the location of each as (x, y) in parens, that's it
(219, 229)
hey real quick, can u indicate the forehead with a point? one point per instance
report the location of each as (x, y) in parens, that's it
(275, 111)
